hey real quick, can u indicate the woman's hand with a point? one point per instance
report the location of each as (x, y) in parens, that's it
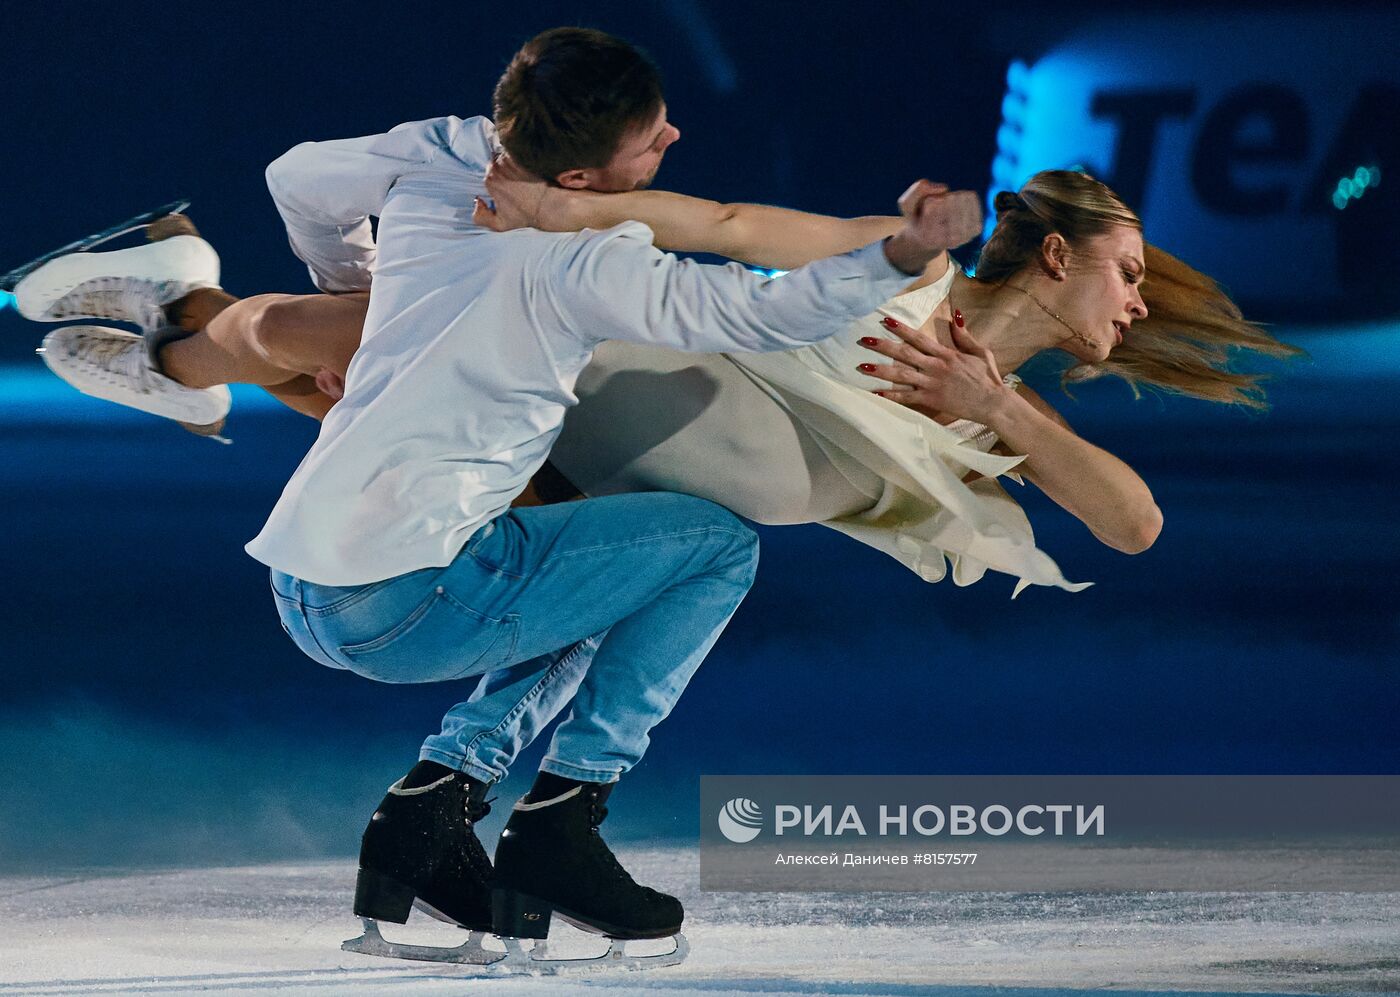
(934, 380)
(517, 195)
(1091, 484)
(522, 200)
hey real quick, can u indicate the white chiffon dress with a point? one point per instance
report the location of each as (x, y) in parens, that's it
(798, 437)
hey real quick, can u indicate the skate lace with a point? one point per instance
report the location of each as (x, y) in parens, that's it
(476, 854)
(596, 815)
(476, 812)
(116, 361)
(125, 299)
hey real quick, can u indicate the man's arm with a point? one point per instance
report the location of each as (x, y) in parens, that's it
(327, 191)
(616, 285)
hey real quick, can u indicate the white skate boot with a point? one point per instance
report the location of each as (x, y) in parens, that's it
(127, 285)
(120, 367)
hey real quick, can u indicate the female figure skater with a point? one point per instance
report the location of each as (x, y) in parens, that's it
(796, 437)
(861, 432)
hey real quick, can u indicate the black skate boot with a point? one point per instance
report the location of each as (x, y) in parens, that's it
(552, 860)
(421, 844)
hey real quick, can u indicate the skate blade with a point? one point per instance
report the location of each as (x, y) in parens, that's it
(517, 958)
(213, 431)
(470, 953)
(9, 280)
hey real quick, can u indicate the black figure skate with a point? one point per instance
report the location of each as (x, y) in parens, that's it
(421, 849)
(552, 862)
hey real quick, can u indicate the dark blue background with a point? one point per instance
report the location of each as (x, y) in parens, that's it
(150, 708)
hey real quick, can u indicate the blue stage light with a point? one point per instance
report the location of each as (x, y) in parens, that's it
(7, 300)
(1013, 106)
(1018, 76)
(765, 272)
(1352, 187)
(1004, 172)
(1008, 139)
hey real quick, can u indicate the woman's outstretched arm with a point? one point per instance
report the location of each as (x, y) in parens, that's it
(1093, 485)
(751, 233)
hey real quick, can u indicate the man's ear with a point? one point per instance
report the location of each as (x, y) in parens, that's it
(573, 179)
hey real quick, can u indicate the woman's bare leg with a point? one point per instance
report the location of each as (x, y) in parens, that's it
(267, 339)
(302, 395)
(282, 342)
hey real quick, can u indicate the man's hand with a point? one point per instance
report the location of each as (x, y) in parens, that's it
(936, 380)
(935, 220)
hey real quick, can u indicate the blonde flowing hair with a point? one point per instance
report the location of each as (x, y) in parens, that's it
(1193, 331)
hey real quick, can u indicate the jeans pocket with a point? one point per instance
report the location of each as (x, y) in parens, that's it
(440, 639)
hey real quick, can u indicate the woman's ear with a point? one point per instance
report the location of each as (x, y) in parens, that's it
(1054, 256)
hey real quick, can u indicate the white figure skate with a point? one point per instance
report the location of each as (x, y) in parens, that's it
(118, 367)
(128, 285)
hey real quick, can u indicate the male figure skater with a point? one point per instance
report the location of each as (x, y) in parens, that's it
(394, 550)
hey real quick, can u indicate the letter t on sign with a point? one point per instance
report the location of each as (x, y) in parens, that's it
(1139, 113)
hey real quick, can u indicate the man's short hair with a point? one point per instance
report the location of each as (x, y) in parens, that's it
(568, 98)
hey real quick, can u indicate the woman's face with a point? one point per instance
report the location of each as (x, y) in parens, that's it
(1102, 293)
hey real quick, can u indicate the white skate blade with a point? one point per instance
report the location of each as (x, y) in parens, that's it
(95, 360)
(55, 291)
(516, 959)
(10, 278)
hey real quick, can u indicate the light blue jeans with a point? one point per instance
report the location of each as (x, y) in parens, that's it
(610, 602)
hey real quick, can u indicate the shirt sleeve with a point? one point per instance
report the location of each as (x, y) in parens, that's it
(616, 285)
(327, 191)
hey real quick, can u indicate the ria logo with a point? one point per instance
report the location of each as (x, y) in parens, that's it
(740, 820)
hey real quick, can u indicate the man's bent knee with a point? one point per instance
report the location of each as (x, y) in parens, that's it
(740, 541)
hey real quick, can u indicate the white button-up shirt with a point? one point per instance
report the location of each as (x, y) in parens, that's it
(474, 340)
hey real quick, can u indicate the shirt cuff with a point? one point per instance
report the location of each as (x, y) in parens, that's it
(879, 267)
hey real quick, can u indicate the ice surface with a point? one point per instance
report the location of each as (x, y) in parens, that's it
(279, 928)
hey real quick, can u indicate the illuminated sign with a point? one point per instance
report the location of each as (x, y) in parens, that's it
(1255, 146)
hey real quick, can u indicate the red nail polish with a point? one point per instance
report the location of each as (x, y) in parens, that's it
(866, 367)
(880, 393)
(889, 323)
(957, 317)
(869, 341)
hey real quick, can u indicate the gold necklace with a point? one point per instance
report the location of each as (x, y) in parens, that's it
(1073, 332)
